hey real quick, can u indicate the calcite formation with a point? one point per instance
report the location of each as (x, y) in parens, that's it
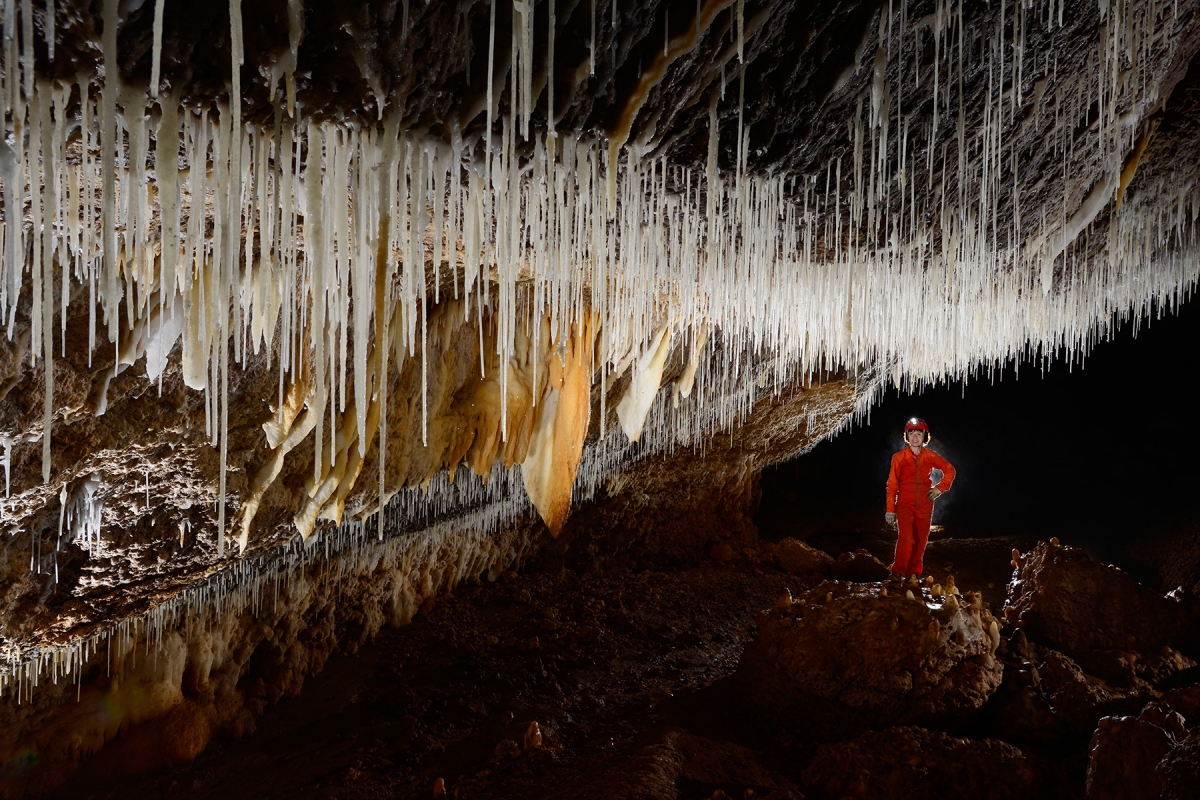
(236, 645)
(844, 657)
(289, 282)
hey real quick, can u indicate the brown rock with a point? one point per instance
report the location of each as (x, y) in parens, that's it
(799, 558)
(843, 658)
(671, 758)
(859, 566)
(1179, 770)
(1186, 701)
(910, 762)
(1080, 699)
(722, 552)
(1021, 714)
(1064, 599)
(505, 749)
(1125, 753)
(1128, 669)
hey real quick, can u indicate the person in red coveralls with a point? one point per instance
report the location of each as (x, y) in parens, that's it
(910, 496)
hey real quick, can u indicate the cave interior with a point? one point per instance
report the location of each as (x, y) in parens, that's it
(489, 399)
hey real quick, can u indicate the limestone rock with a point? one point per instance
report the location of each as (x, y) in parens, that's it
(1073, 604)
(799, 558)
(911, 762)
(843, 658)
(1080, 699)
(1125, 753)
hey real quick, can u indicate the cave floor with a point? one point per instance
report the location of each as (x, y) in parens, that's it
(624, 673)
(603, 664)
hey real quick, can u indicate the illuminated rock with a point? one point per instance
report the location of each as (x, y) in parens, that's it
(848, 656)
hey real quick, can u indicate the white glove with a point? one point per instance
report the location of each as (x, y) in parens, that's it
(890, 518)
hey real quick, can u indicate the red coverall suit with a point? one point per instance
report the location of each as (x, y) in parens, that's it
(908, 487)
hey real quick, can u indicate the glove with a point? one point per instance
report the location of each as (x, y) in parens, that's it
(890, 518)
(935, 493)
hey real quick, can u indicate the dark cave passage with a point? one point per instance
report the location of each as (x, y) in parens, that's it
(1104, 456)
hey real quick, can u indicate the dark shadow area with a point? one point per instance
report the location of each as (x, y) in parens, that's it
(1104, 455)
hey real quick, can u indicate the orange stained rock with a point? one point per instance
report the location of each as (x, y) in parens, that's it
(533, 736)
(541, 424)
(560, 425)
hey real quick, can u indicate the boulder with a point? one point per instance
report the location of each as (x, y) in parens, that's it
(909, 762)
(1125, 753)
(799, 558)
(1079, 699)
(1179, 770)
(859, 566)
(1064, 599)
(845, 657)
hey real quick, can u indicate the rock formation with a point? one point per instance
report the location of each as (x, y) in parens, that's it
(1058, 593)
(1126, 752)
(845, 657)
(914, 763)
(312, 310)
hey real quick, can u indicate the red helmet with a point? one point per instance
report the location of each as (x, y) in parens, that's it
(916, 424)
